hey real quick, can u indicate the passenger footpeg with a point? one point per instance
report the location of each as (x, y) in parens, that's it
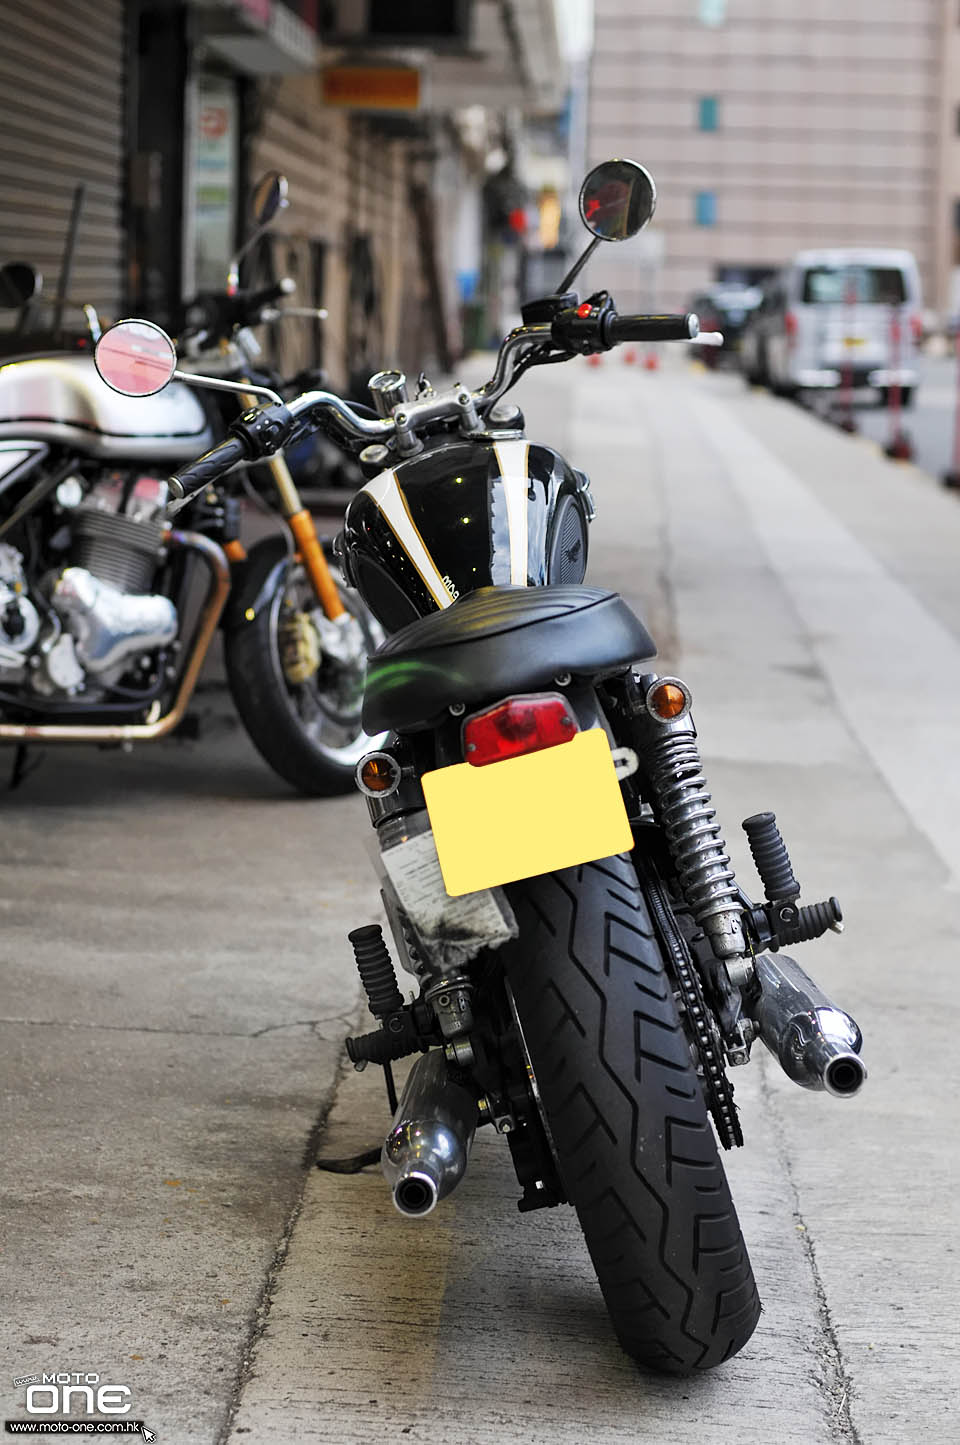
(402, 1026)
(782, 919)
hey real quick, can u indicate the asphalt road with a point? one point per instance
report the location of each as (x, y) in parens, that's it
(177, 984)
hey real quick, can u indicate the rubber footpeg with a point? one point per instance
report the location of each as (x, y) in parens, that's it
(771, 856)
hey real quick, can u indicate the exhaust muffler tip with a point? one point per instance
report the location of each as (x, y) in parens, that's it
(816, 1044)
(844, 1075)
(416, 1192)
(425, 1154)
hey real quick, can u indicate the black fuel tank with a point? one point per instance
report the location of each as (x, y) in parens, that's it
(465, 514)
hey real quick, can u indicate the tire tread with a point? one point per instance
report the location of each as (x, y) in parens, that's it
(637, 1154)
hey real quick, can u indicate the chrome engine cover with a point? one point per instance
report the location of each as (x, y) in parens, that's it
(108, 625)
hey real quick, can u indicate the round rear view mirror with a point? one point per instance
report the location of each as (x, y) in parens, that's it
(135, 358)
(269, 197)
(19, 283)
(617, 200)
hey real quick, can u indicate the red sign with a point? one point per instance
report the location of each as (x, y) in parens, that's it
(214, 121)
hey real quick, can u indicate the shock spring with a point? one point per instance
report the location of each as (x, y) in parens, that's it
(695, 839)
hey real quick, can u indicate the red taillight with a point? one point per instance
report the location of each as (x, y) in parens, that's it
(790, 324)
(916, 328)
(519, 725)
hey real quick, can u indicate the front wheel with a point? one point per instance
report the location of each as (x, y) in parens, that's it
(623, 1107)
(297, 680)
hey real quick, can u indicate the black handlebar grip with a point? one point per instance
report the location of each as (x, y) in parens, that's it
(652, 328)
(207, 468)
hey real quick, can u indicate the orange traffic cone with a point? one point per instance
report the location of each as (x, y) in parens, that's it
(629, 357)
(651, 362)
(594, 359)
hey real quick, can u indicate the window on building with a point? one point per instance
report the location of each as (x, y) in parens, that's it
(705, 208)
(712, 12)
(956, 233)
(957, 119)
(708, 112)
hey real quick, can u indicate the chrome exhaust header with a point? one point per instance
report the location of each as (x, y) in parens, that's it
(816, 1044)
(425, 1154)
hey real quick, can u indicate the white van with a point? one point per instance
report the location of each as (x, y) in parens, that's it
(828, 320)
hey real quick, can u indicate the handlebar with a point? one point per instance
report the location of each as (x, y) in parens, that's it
(595, 326)
(255, 301)
(220, 312)
(588, 327)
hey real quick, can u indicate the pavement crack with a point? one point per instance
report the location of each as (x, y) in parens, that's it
(337, 1018)
(79, 1025)
(836, 1381)
(261, 1313)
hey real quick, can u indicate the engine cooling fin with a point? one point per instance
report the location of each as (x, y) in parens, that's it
(116, 548)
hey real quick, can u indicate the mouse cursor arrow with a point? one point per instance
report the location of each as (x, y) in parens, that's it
(148, 1434)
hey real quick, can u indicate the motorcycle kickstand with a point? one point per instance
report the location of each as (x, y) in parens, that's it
(23, 765)
(355, 1162)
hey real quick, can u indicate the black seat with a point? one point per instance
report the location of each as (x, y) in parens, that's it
(497, 641)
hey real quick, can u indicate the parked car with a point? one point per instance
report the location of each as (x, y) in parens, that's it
(828, 320)
(725, 308)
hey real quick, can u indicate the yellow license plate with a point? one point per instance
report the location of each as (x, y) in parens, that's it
(851, 341)
(528, 815)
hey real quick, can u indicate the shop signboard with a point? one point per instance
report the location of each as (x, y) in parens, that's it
(372, 87)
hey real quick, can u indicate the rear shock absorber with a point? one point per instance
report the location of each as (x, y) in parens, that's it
(688, 817)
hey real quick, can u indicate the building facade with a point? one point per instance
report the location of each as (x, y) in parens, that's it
(165, 112)
(774, 125)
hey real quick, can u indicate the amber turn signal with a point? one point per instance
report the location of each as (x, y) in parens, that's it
(377, 774)
(667, 699)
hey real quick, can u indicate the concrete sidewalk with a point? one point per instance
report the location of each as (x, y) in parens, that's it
(731, 520)
(177, 986)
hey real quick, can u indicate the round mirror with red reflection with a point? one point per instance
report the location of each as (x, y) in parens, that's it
(135, 358)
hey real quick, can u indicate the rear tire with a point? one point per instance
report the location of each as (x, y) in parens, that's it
(636, 1153)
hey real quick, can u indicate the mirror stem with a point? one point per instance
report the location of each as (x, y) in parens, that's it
(216, 384)
(578, 266)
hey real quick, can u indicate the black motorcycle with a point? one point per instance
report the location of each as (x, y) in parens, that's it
(551, 865)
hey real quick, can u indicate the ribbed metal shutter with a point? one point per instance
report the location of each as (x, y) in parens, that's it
(345, 181)
(61, 122)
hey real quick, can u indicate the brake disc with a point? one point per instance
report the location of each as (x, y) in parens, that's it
(299, 648)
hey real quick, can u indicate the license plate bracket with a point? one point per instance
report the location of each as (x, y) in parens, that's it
(547, 810)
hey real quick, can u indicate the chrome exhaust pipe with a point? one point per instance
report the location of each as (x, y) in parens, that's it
(816, 1044)
(425, 1154)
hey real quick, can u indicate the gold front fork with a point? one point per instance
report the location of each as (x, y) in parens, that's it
(304, 534)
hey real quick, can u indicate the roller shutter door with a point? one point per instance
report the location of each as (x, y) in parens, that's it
(61, 122)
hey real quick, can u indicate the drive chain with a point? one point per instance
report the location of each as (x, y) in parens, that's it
(703, 1031)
